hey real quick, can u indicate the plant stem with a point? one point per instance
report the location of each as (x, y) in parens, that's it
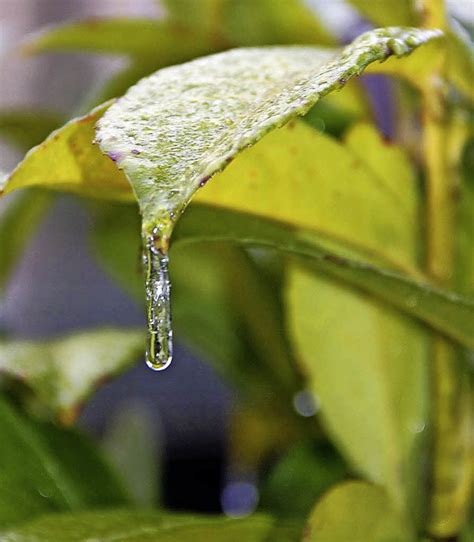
(451, 394)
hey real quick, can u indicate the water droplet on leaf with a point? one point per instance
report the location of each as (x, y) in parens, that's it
(306, 403)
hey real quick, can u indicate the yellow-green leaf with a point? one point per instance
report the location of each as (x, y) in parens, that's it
(388, 12)
(358, 512)
(144, 526)
(68, 161)
(246, 22)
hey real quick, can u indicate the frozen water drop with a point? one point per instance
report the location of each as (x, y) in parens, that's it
(159, 353)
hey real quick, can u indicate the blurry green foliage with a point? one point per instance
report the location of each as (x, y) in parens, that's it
(311, 262)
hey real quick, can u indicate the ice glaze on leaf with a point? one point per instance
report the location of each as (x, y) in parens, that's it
(175, 129)
(63, 372)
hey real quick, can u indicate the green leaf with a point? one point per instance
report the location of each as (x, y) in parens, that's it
(447, 312)
(18, 222)
(90, 474)
(383, 367)
(267, 22)
(258, 90)
(157, 42)
(245, 22)
(358, 512)
(24, 128)
(464, 270)
(305, 472)
(360, 211)
(63, 372)
(132, 443)
(129, 526)
(67, 160)
(388, 12)
(42, 474)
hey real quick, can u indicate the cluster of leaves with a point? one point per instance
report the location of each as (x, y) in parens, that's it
(307, 249)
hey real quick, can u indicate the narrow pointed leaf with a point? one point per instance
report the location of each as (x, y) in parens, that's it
(144, 526)
(447, 312)
(157, 41)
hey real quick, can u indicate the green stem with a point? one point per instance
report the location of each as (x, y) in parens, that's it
(451, 395)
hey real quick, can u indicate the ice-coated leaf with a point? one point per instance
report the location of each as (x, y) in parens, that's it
(144, 526)
(358, 512)
(68, 161)
(45, 469)
(63, 372)
(175, 129)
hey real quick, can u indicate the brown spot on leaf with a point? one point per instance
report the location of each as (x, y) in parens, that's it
(335, 259)
(86, 119)
(204, 180)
